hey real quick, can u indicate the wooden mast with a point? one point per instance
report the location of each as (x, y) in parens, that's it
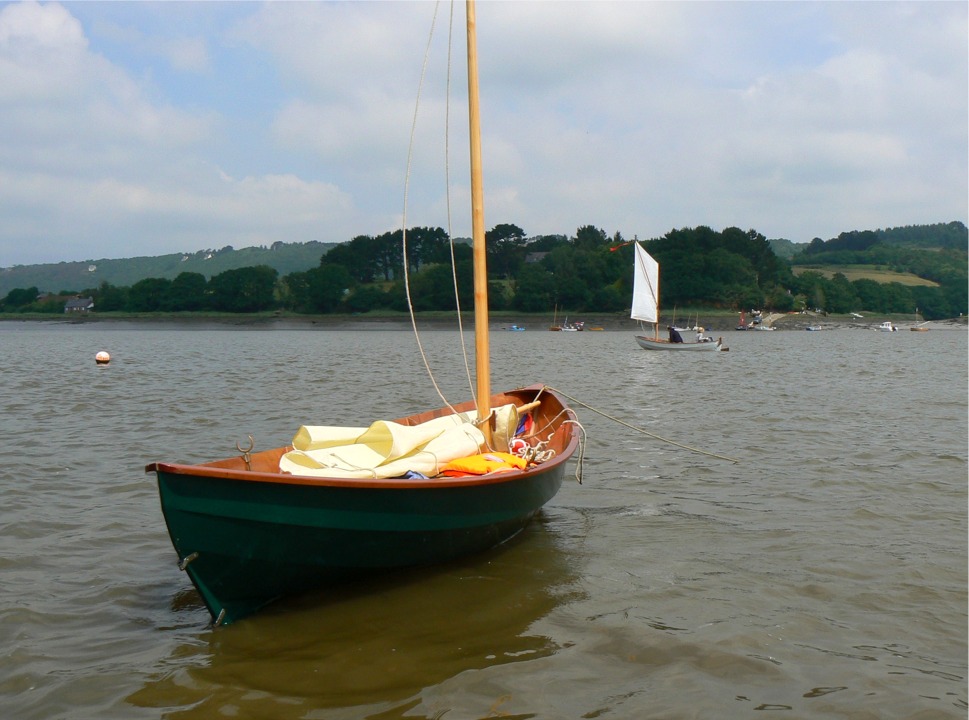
(482, 352)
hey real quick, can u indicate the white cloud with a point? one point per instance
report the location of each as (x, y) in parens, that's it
(99, 169)
(187, 125)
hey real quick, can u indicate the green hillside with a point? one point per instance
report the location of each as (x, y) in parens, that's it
(785, 249)
(89, 274)
(888, 271)
(867, 272)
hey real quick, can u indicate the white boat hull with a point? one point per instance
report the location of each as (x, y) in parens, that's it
(659, 344)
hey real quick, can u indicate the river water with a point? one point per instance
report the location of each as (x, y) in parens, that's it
(823, 575)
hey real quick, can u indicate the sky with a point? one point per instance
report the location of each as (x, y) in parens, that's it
(147, 128)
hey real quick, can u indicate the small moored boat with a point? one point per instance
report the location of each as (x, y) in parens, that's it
(247, 534)
(263, 525)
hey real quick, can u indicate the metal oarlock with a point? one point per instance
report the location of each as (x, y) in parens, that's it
(246, 452)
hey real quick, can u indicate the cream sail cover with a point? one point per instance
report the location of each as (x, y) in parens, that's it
(388, 449)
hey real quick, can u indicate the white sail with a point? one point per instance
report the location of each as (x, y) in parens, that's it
(645, 287)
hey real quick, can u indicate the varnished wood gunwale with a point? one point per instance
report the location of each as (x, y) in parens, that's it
(265, 463)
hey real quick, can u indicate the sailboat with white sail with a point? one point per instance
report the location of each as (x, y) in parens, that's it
(645, 308)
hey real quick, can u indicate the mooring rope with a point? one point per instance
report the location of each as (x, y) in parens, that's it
(544, 454)
(644, 432)
(581, 459)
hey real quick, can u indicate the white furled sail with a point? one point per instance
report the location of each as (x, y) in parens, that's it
(645, 287)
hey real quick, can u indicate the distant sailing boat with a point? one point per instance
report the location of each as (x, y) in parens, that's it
(684, 329)
(555, 321)
(645, 308)
(919, 326)
(344, 501)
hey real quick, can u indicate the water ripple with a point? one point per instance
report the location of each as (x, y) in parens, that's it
(824, 574)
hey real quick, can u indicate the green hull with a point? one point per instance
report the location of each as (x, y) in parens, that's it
(246, 538)
(267, 541)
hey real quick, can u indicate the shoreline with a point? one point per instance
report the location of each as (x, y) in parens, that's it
(718, 323)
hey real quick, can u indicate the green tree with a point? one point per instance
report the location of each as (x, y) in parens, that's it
(534, 289)
(812, 286)
(571, 292)
(364, 298)
(932, 303)
(20, 297)
(779, 299)
(871, 295)
(425, 246)
(357, 256)
(243, 290)
(609, 299)
(545, 243)
(841, 296)
(591, 268)
(589, 237)
(49, 305)
(326, 287)
(433, 288)
(187, 292)
(731, 277)
(149, 295)
(683, 278)
(506, 249)
(388, 255)
(110, 298)
(295, 291)
(900, 298)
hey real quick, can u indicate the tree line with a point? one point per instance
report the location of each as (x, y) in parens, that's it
(588, 272)
(936, 254)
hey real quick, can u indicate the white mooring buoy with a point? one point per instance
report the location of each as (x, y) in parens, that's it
(102, 358)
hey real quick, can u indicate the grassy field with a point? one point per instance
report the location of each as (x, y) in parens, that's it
(866, 272)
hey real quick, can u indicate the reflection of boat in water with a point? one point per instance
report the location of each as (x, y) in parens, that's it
(645, 308)
(419, 627)
(345, 501)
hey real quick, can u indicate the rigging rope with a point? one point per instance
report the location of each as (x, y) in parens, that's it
(447, 198)
(410, 305)
(644, 432)
(410, 152)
